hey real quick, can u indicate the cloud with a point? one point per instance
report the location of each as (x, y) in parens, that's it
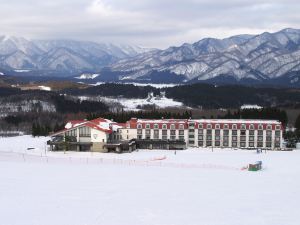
(153, 23)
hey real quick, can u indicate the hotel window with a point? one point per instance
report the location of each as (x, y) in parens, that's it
(200, 137)
(260, 127)
(164, 126)
(243, 138)
(148, 134)
(269, 127)
(217, 132)
(259, 138)
(269, 133)
(225, 126)
(85, 132)
(155, 126)
(208, 132)
(243, 144)
(225, 143)
(200, 131)
(200, 143)
(217, 143)
(277, 133)
(181, 138)
(139, 126)
(226, 138)
(234, 144)
(191, 125)
(172, 126)
(268, 138)
(181, 127)
(251, 127)
(251, 138)
(277, 127)
(147, 126)
(139, 131)
(181, 132)
(234, 138)
(208, 143)
(173, 133)
(71, 133)
(225, 132)
(251, 144)
(260, 132)
(269, 144)
(208, 137)
(156, 134)
(234, 127)
(243, 127)
(251, 132)
(243, 132)
(217, 138)
(277, 144)
(217, 126)
(200, 126)
(234, 132)
(208, 126)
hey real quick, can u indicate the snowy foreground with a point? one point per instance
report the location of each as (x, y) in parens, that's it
(193, 187)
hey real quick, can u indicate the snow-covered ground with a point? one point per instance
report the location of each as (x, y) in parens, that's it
(193, 187)
(132, 104)
(86, 76)
(143, 84)
(45, 88)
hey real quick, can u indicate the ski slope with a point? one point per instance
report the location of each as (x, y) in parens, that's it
(192, 187)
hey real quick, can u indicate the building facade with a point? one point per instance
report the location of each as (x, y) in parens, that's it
(105, 135)
(218, 133)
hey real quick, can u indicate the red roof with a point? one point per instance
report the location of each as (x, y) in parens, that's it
(100, 124)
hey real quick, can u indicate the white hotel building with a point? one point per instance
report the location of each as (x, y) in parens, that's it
(219, 133)
(105, 135)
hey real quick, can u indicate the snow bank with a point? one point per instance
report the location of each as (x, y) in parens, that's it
(45, 88)
(66, 192)
(86, 76)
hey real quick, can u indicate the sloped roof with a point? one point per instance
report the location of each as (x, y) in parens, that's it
(100, 124)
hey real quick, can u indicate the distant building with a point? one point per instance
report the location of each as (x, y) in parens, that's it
(104, 135)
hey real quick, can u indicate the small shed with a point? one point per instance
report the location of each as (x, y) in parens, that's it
(255, 166)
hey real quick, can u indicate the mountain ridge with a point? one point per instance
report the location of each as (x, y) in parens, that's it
(261, 58)
(258, 57)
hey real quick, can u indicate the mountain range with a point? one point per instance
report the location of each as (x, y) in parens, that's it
(68, 56)
(267, 58)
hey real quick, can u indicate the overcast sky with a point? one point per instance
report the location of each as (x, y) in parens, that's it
(149, 23)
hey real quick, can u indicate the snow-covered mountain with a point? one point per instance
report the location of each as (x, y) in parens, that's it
(17, 53)
(260, 58)
(264, 58)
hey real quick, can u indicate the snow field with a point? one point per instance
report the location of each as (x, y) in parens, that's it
(60, 192)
